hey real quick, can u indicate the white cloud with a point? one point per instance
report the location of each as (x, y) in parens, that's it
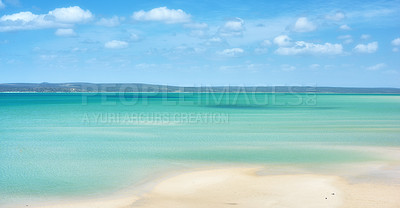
(60, 17)
(65, 32)
(26, 21)
(302, 47)
(395, 50)
(162, 14)
(365, 36)
(21, 16)
(376, 67)
(110, 22)
(282, 40)
(116, 44)
(232, 28)
(345, 27)
(234, 25)
(336, 17)
(71, 14)
(231, 52)
(304, 25)
(2, 5)
(367, 48)
(396, 42)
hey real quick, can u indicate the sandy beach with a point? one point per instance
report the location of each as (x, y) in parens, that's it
(246, 187)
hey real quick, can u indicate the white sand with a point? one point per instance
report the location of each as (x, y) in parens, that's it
(243, 187)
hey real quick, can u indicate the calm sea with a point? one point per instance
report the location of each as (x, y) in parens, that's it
(58, 144)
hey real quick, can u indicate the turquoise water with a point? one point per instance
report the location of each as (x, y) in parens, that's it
(83, 144)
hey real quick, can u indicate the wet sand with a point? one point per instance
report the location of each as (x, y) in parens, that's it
(245, 187)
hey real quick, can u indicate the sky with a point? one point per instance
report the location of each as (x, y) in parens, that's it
(349, 43)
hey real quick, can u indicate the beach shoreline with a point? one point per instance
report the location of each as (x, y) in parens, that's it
(243, 186)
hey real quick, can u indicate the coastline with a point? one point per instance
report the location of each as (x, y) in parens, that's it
(358, 184)
(244, 186)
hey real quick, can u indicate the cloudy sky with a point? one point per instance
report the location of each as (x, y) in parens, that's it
(194, 43)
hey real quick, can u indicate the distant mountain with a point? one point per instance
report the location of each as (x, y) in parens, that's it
(138, 87)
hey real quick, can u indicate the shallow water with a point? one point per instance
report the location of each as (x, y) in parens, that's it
(55, 144)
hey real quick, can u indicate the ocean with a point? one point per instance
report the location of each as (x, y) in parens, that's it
(55, 145)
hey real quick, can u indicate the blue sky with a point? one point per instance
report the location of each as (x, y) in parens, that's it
(194, 43)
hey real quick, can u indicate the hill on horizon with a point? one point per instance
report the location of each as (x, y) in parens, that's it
(140, 87)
